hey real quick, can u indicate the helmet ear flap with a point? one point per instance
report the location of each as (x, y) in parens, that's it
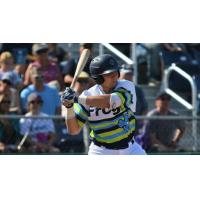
(99, 79)
(118, 73)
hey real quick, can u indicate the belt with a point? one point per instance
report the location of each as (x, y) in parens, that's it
(123, 144)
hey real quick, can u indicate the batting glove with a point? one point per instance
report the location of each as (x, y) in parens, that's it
(68, 97)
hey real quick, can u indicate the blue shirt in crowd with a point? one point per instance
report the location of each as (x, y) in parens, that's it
(49, 95)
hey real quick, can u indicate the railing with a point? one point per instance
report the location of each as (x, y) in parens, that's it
(53, 117)
(186, 141)
(189, 106)
(139, 117)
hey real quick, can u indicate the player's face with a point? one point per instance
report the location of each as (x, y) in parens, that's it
(110, 79)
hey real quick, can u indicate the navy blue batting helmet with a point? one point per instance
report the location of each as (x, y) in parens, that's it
(103, 64)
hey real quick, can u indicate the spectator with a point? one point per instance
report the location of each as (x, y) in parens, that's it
(9, 128)
(7, 67)
(41, 132)
(193, 50)
(20, 71)
(72, 66)
(76, 143)
(56, 53)
(50, 69)
(7, 89)
(68, 68)
(50, 96)
(20, 51)
(174, 53)
(163, 135)
(172, 47)
(185, 57)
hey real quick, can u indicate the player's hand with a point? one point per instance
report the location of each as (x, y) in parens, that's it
(68, 97)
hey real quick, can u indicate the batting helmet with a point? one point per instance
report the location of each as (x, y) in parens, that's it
(103, 64)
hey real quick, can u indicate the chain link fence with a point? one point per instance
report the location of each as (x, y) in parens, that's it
(190, 141)
(79, 145)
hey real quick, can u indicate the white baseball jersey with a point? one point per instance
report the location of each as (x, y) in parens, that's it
(110, 125)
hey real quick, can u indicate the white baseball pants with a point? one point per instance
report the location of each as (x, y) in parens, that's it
(133, 149)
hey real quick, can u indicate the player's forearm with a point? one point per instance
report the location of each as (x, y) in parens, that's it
(72, 126)
(101, 101)
(71, 121)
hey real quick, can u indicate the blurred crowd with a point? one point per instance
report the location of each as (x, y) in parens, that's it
(33, 76)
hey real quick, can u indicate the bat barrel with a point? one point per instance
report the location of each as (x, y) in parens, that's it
(81, 64)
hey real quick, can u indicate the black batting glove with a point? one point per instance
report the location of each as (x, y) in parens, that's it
(68, 97)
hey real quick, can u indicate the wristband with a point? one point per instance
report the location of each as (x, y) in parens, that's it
(70, 113)
(82, 100)
(69, 105)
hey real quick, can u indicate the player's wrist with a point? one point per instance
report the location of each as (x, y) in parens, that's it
(70, 113)
(82, 100)
(69, 105)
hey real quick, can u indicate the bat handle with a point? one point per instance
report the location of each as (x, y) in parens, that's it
(73, 84)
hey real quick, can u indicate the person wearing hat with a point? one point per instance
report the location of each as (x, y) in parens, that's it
(50, 69)
(7, 68)
(51, 99)
(82, 82)
(56, 53)
(41, 132)
(163, 135)
(6, 87)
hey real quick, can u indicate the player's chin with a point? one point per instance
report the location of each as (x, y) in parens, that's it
(113, 85)
(114, 82)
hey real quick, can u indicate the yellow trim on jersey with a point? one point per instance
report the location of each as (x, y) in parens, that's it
(106, 124)
(80, 111)
(81, 124)
(114, 131)
(103, 124)
(115, 139)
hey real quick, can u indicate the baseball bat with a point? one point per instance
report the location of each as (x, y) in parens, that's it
(81, 64)
(22, 141)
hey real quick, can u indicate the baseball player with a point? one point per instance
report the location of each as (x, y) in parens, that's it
(108, 107)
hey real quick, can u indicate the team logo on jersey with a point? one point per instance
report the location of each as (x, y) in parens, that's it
(106, 111)
(124, 123)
